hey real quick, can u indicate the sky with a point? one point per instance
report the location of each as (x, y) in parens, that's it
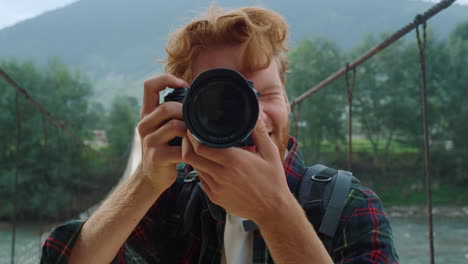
(14, 11)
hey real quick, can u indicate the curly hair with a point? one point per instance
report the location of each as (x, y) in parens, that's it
(261, 33)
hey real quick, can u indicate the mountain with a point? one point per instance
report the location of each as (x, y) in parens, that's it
(118, 42)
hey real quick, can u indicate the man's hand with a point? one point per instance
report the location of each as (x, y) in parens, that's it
(111, 224)
(248, 184)
(159, 124)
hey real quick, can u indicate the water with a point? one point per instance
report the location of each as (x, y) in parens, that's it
(450, 239)
(27, 246)
(411, 240)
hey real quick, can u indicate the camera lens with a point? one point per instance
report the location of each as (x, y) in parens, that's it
(221, 108)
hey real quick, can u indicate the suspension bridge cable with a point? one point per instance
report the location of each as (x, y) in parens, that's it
(349, 89)
(422, 57)
(45, 173)
(400, 33)
(17, 168)
(59, 173)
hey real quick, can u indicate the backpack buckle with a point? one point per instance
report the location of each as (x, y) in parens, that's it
(321, 178)
(191, 176)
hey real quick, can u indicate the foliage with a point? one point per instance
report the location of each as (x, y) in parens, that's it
(453, 99)
(387, 114)
(57, 177)
(321, 116)
(122, 120)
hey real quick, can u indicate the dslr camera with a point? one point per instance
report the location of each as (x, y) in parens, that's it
(220, 108)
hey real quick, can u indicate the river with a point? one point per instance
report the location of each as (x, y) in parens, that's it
(410, 232)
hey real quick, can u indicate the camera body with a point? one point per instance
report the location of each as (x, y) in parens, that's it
(220, 108)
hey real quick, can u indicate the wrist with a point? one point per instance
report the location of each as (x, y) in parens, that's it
(144, 184)
(285, 209)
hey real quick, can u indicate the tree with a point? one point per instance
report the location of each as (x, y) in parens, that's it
(121, 124)
(322, 115)
(53, 169)
(453, 101)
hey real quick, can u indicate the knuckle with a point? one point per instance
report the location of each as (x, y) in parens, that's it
(168, 108)
(146, 142)
(157, 154)
(187, 157)
(153, 83)
(164, 109)
(173, 125)
(146, 84)
(199, 148)
(166, 77)
(140, 128)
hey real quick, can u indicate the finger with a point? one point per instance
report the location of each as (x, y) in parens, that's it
(264, 144)
(208, 184)
(222, 156)
(206, 189)
(189, 156)
(154, 120)
(153, 86)
(162, 136)
(167, 155)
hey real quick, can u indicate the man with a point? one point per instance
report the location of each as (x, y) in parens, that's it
(256, 184)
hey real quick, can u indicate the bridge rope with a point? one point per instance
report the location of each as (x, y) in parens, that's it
(380, 47)
(422, 59)
(349, 90)
(17, 168)
(61, 128)
(415, 24)
(420, 20)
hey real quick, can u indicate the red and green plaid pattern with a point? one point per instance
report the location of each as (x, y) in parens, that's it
(364, 234)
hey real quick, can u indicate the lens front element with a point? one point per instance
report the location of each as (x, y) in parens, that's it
(221, 108)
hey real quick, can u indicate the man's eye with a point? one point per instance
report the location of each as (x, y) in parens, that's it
(268, 94)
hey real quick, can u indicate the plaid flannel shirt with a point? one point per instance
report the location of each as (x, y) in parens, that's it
(363, 235)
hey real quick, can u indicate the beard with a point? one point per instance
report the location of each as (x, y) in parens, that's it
(282, 140)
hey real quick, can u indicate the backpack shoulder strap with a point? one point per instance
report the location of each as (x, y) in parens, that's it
(305, 186)
(336, 203)
(322, 194)
(181, 216)
(334, 208)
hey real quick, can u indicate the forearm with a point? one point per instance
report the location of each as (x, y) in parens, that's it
(290, 236)
(108, 228)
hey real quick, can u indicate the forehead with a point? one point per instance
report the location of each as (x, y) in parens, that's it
(230, 57)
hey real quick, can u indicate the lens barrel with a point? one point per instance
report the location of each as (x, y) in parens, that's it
(220, 109)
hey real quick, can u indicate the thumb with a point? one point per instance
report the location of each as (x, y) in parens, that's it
(263, 142)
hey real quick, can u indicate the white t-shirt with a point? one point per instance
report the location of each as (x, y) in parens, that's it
(238, 244)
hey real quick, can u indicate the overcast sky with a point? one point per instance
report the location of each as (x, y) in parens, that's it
(13, 11)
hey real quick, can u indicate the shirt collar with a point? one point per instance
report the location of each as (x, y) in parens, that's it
(293, 165)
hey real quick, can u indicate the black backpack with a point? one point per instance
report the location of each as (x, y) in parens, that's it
(322, 192)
